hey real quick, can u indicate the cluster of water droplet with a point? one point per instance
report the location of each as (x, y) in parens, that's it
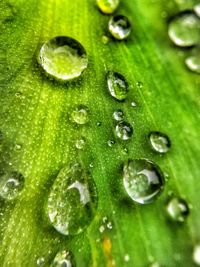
(184, 31)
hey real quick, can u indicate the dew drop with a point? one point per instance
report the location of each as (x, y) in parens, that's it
(107, 6)
(110, 143)
(63, 259)
(117, 85)
(119, 27)
(143, 180)
(184, 29)
(80, 143)
(40, 261)
(197, 9)
(118, 115)
(72, 200)
(139, 84)
(196, 254)
(193, 63)
(105, 39)
(80, 115)
(18, 147)
(63, 58)
(133, 104)
(177, 209)
(124, 130)
(159, 142)
(11, 185)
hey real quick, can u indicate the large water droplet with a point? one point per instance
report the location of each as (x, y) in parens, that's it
(119, 27)
(177, 209)
(196, 254)
(63, 259)
(62, 57)
(80, 115)
(184, 29)
(72, 200)
(11, 185)
(193, 63)
(124, 130)
(117, 85)
(159, 142)
(80, 143)
(143, 180)
(107, 6)
(118, 115)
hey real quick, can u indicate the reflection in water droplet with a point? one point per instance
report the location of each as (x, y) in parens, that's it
(11, 185)
(124, 130)
(177, 209)
(196, 254)
(193, 63)
(118, 115)
(64, 58)
(184, 29)
(80, 143)
(159, 142)
(197, 9)
(119, 27)
(72, 200)
(63, 259)
(80, 115)
(117, 85)
(143, 180)
(107, 6)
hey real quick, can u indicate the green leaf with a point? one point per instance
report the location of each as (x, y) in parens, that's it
(39, 136)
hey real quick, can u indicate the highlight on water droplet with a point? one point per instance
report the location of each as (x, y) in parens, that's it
(63, 258)
(118, 115)
(196, 254)
(159, 142)
(110, 143)
(197, 9)
(11, 185)
(184, 29)
(63, 58)
(107, 6)
(177, 209)
(143, 180)
(119, 27)
(72, 200)
(117, 85)
(124, 130)
(80, 114)
(193, 63)
(40, 261)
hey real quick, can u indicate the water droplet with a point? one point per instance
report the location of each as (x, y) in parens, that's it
(184, 29)
(41, 261)
(99, 123)
(143, 180)
(101, 228)
(109, 225)
(110, 143)
(124, 130)
(80, 143)
(119, 27)
(139, 84)
(196, 254)
(133, 104)
(63, 57)
(126, 258)
(105, 39)
(1, 137)
(72, 200)
(117, 85)
(63, 259)
(107, 6)
(193, 63)
(177, 209)
(118, 115)
(159, 142)
(11, 185)
(80, 115)
(197, 9)
(18, 147)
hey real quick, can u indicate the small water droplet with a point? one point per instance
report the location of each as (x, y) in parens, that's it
(143, 180)
(63, 58)
(196, 254)
(101, 228)
(110, 143)
(99, 123)
(80, 143)
(72, 200)
(159, 142)
(19, 95)
(80, 115)
(118, 115)
(197, 9)
(133, 104)
(184, 29)
(119, 27)
(18, 147)
(126, 258)
(105, 39)
(63, 259)
(117, 85)
(109, 225)
(177, 209)
(41, 261)
(124, 130)
(139, 84)
(107, 6)
(193, 63)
